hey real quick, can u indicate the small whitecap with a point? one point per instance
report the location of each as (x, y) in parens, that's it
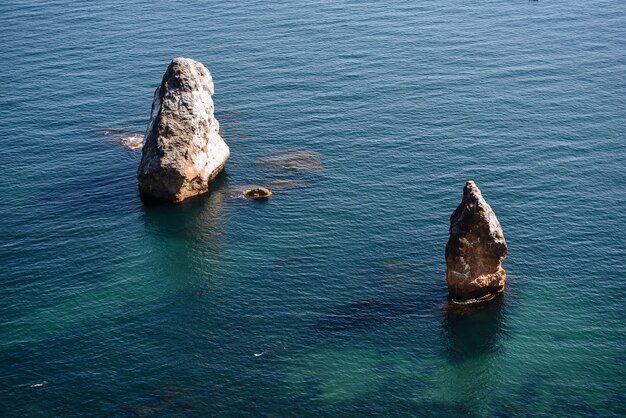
(132, 141)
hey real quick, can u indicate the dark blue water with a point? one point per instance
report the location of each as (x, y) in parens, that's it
(125, 310)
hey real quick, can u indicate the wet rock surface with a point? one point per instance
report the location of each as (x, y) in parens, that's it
(183, 150)
(475, 251)
(259, 192)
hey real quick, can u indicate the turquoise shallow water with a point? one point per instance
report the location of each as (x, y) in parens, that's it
(125, 310)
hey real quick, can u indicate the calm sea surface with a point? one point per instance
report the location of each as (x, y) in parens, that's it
(338, 286)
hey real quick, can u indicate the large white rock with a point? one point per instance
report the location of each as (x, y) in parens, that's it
(183, 150)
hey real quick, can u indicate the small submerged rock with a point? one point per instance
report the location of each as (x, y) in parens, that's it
(285, 184)
(293, 160)
(239, 191)
(475, 251)
(132, 141)
(123, 137)
(257, 193)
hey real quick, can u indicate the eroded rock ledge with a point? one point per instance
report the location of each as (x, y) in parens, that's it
(182, 149)
(476, 249)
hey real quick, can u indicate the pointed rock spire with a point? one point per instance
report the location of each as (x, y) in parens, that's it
(475, 250)
(183, 150)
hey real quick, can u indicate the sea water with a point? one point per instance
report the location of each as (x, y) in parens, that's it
(329, 299)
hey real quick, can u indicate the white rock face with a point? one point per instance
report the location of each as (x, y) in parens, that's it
(183, 150)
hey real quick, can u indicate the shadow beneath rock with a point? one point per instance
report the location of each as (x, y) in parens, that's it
(197, 219)
(470, 331)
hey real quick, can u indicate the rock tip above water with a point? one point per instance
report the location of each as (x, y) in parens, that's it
(183, 150)
(258, 192)
(475, 250)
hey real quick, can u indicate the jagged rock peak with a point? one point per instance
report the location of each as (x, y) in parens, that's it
(183, 150)
(476, 249)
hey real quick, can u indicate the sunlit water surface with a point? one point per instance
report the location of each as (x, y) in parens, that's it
(338, 284)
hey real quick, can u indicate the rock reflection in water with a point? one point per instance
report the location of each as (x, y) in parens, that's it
(472, 330)
(471, 339)
(188, 237)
